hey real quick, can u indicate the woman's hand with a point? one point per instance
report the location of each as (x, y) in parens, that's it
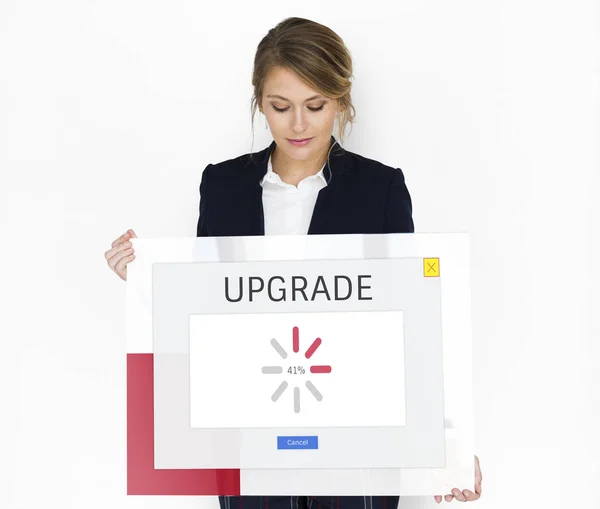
(120, 254)
(465, 495)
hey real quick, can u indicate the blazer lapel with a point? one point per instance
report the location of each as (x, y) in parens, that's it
(249, 200)
(331, 199)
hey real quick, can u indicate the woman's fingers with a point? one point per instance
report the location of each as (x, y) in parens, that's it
(470, 496)
(458, 495)
(126, 236)
(121, 266)
(116, 252)
(120, 254)
(465, 495)
(121, 239)
(118, 262)
(478, 477)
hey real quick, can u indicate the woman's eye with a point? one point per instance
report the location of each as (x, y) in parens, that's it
(281, 110)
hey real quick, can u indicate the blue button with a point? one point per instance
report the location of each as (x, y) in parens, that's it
(298, 442)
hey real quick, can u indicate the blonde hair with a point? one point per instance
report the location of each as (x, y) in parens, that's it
(316, 54)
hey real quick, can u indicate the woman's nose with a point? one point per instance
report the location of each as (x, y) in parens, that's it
(299, 121)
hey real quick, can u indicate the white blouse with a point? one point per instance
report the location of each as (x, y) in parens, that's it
(288, 209)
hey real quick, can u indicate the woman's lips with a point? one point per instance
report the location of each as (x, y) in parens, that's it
(300, 143)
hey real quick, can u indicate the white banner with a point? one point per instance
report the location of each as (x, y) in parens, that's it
(297, 369)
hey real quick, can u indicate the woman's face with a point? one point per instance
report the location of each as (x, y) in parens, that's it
(295, 111)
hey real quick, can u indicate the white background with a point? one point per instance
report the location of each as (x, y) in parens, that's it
(110, 110)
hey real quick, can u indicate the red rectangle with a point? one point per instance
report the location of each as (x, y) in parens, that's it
(142, 477)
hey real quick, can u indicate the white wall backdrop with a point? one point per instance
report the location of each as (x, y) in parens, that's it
(109, 111)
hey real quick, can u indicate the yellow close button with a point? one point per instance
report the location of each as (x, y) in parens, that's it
(431, 267)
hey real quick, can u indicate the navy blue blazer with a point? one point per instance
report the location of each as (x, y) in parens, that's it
(362, 196)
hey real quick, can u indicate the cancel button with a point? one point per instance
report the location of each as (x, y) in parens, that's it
(311, 442)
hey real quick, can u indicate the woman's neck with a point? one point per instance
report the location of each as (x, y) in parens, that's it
(292, 171)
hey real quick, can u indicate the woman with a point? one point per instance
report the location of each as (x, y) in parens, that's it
(303, 183)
